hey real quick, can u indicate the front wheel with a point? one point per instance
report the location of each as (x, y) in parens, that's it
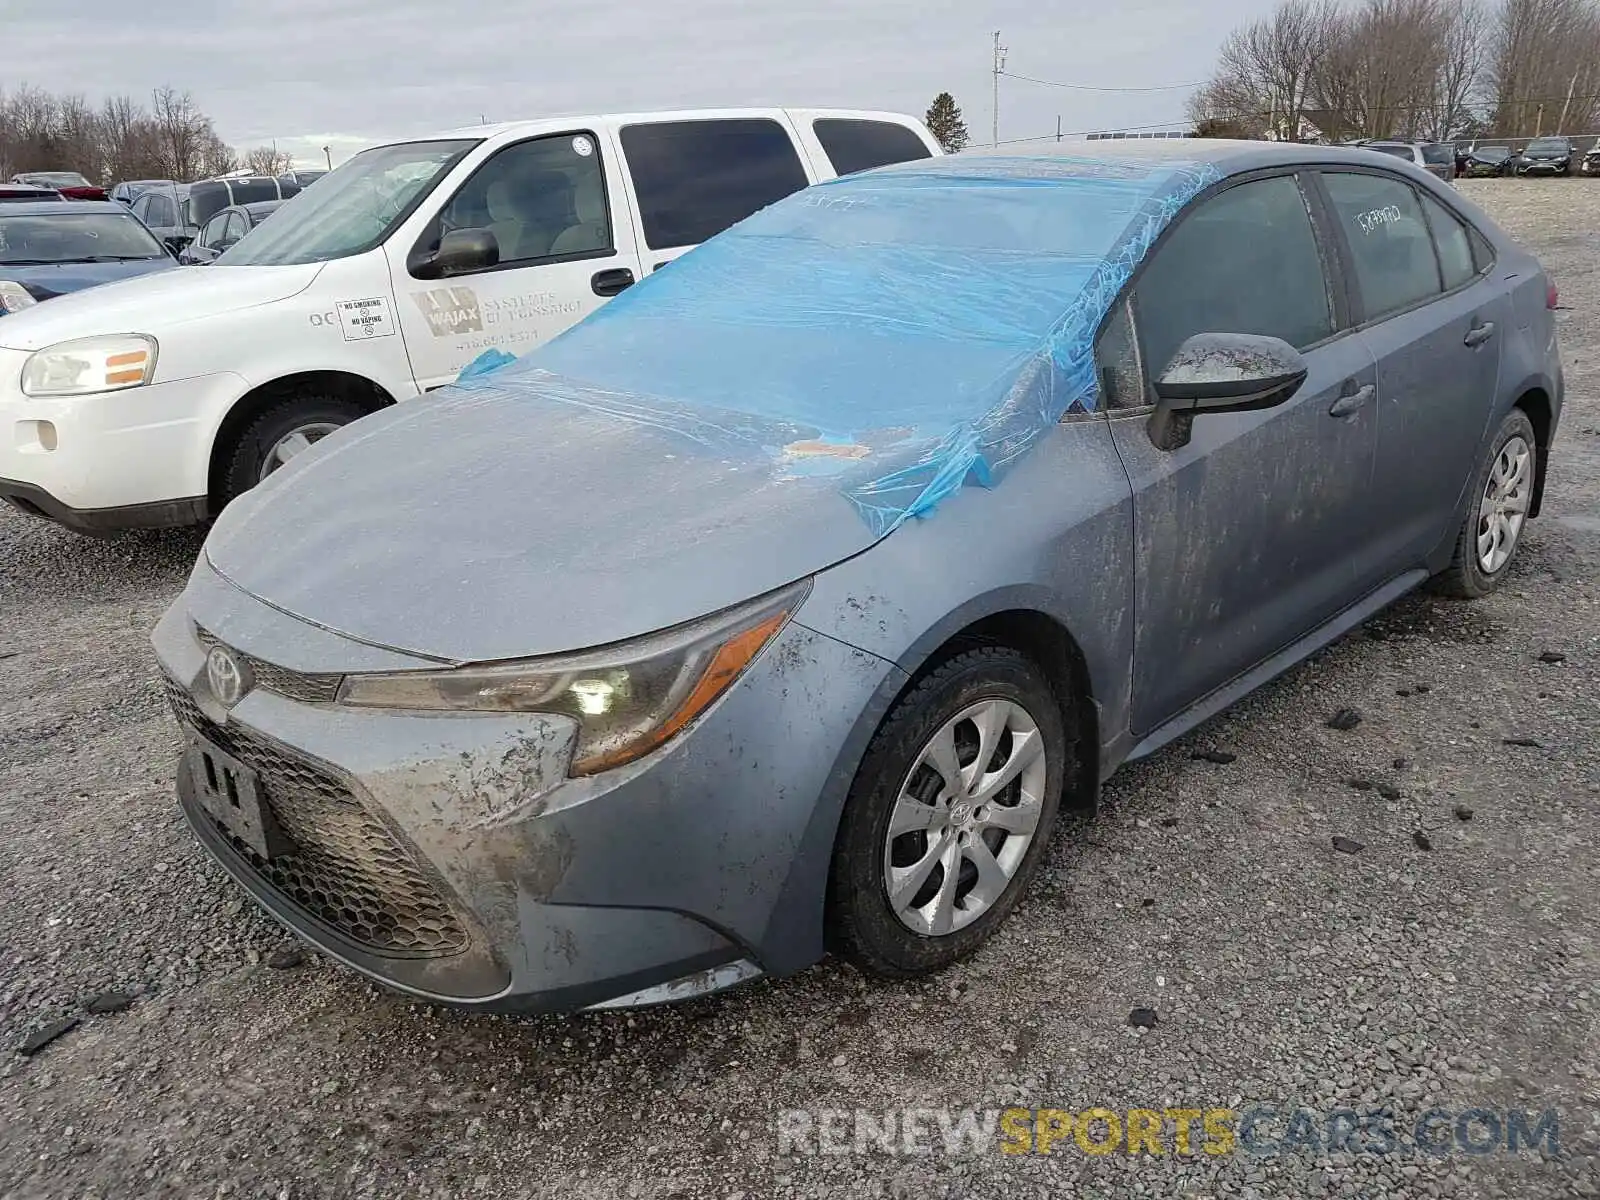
(1502, 494)
(280, 433)
(949, 815)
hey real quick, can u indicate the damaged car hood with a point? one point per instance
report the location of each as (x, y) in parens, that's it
(469, 527)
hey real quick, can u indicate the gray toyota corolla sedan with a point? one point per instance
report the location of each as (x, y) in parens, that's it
(779, 606)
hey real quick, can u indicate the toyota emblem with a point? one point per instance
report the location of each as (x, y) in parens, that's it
(227, 676)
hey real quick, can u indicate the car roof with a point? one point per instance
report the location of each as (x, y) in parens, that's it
(54, 208)
(259, 208)
(566, 120)
(1228, 156)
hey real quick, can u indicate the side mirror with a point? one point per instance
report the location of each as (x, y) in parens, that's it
(460, 251)
(1222, 372)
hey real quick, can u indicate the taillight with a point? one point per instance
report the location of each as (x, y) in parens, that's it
(1552, 297)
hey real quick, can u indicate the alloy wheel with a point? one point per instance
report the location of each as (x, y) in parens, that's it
(964, 818)
(1504, 506)
(297, 441)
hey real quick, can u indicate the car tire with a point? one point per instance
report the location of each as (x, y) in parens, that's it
(979, 685)
(1503, 482)
(268, 441)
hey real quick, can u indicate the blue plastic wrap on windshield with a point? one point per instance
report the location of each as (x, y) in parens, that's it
(892, 335)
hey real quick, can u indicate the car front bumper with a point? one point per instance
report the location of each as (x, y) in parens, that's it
(116, 460)
(1542, 167)
(449, 855)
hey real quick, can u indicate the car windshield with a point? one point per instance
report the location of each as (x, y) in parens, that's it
(352, 208)
(57, 179)
(1545, 145)
(1439, 154)
(70, 236)
(1491, 153)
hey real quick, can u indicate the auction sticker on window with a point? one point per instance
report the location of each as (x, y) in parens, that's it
(363, 319)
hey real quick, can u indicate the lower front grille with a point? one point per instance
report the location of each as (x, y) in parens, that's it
(346, 870)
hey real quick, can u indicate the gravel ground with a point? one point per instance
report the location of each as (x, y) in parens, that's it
(1281, 970)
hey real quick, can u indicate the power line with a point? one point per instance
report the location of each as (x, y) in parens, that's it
(1084, 87)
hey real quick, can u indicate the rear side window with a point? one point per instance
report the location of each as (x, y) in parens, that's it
(696, 178)
(160, 212)
(1393, 254)
(1450, 238)
(1439, 154)
(854, 145)
(1245, 261)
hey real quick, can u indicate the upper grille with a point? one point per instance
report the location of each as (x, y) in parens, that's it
(347, 869)
(296, 685)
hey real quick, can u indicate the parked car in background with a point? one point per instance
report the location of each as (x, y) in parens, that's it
(1591, 161)
(225, 229)
(301, 177)
(27, 193)
(575, 687)
(382, 281)
(1490, 160)
(1436, 158)
(49, 249)
(207, 197)
(1547, 155)
(69, 183)
(129, 190)
(162, 210)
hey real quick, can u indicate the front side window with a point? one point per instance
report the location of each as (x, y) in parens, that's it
(75, 237)
(354, 207)
(696, 178)
(542, 199)
(1245, 261)
(860, 145)
(162, 212)
(211, 235)
(1393, 254)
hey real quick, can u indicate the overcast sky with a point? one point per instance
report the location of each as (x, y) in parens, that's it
(403, 67)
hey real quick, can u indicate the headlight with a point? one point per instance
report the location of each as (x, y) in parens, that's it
(14, 297)
(95, 364)
(627, 698)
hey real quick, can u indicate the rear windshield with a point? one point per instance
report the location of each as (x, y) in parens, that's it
(72, 236)
(1397, 151)
(1439, 154)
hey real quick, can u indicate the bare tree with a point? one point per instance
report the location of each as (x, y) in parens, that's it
(268, 160)
(1543, 74)
(1265, 70)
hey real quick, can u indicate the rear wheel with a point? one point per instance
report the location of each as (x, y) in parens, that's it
(949, 815)
(1492, 530)
(279, 434)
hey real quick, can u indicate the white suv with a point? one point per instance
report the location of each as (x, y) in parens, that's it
(155, 401)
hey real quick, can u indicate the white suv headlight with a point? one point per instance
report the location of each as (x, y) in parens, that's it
(94, 364)
(14, 297)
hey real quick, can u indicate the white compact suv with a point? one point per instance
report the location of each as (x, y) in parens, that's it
(155, 401)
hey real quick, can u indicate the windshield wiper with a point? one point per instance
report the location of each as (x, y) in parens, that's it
(105, 258)
(27, 262)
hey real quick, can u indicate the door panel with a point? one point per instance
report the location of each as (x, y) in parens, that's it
(1256, 531)
(1250, 536)
(566, 244)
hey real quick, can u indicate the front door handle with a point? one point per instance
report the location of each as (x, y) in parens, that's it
(1479, 334)
(1352, 402)
(609, 283)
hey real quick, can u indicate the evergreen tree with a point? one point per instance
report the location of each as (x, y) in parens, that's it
(945, 123)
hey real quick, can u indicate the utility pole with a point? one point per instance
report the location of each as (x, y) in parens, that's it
(1538, 120)
(327, 153)
(1571, 87)
(999, 65)
(1058, 127)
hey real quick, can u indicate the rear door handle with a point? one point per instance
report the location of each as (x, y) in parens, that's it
(1352, 402)
(1479, 334)
(609, 283)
